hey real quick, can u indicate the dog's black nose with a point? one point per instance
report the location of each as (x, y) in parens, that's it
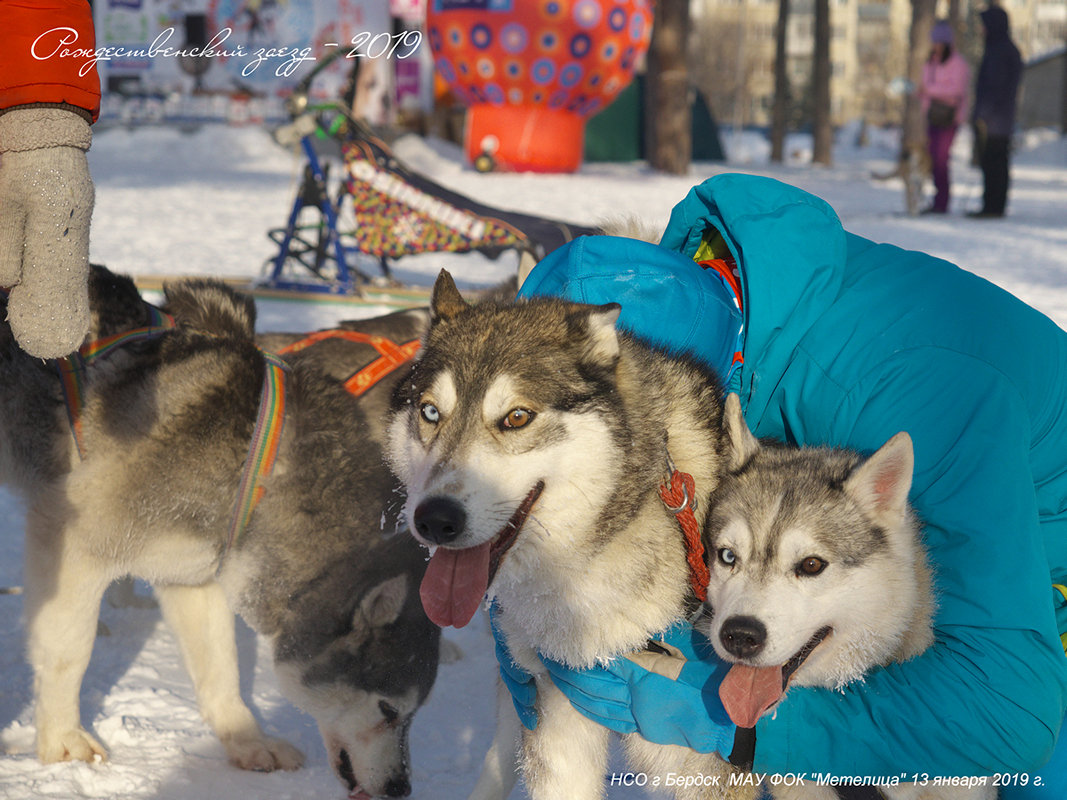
(439, 519)
(398, 787)
(743, 637)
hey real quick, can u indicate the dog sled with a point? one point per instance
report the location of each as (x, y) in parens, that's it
(338, 236)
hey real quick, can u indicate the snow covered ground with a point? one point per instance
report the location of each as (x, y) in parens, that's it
(172, 202)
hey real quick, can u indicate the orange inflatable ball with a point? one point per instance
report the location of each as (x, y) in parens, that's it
(532, 71)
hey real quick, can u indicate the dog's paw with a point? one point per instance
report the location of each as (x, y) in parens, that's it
(263, 754)
(73, 745)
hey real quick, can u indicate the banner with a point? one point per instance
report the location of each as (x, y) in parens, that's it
(226, 45)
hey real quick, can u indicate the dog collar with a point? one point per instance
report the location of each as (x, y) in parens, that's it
(679, 496)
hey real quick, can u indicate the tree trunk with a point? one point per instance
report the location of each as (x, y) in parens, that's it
(822, 146)
(913, 160)
(1063, 99)
(668, 123)
(780, 110)
(955, 16)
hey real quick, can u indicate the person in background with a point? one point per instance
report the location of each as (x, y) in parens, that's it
(48, 101)
(994, 110)
(944, 93)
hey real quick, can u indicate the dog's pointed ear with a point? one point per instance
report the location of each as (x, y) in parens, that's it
(382, 604)
(882, 482)
(742, 444)
(445, 299)
(602, 338)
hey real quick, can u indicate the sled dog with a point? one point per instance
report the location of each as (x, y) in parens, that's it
(166, 425)
(817, 575)
(532, 439)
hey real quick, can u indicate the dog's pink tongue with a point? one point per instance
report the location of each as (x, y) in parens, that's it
(746, 692)
(454, 584)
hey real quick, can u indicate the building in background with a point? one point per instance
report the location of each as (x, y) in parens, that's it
(733, 51)
(1044, 92)
(198, 60)
(731, 57)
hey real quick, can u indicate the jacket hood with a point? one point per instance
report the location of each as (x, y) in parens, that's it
(997, 25)
(791, 250)
(666, 298)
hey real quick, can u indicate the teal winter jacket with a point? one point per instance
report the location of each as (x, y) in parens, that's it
(846, 342)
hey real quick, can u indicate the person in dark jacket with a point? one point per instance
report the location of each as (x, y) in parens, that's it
(994, 109)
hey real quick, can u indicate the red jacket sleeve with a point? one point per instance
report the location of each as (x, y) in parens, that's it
(47, 46)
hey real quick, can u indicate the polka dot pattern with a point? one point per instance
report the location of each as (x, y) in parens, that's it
(573, 54)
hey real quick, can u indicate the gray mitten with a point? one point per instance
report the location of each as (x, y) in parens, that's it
(46, 197)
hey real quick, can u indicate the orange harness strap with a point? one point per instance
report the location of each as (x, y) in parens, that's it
(391, 356)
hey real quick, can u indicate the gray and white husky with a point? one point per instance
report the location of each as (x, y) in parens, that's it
(817, 575)
(532, 439)
(167, 424)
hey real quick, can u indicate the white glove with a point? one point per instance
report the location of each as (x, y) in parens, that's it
(46, 197)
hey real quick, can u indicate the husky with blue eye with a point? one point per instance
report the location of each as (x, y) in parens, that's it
(532, 439)
(817, 575)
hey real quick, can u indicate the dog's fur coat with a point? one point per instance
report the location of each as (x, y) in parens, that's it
(541, 412)
(167, 426)
(817, 575)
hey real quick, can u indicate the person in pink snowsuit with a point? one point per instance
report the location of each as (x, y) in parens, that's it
(944, 93)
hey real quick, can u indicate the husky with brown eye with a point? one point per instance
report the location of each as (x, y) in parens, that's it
(533, 439)
(817, 575)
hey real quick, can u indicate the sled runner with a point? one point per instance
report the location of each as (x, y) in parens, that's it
(380, 210)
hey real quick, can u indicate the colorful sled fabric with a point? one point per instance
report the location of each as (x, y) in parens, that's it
(400, 212)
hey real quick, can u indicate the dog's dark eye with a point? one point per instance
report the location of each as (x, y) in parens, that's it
(430, 413)
(388, 711)
(517, 418)
(726, 556)
(812, 565)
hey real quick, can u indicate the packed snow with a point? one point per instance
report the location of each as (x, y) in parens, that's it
(175, 202)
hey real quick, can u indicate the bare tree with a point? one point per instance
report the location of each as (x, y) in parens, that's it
(723, 72)
(668, 123)
(955, 16)
(913, 130)
(1063, 99)
(780, 109)
(822, 146)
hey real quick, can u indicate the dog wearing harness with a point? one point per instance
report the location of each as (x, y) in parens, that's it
(310, 564)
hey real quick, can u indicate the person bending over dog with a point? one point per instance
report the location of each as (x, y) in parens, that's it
(832, 339)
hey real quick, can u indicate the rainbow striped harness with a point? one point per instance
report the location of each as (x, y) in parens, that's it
(262, 450)
(266, 435)
(72, 368)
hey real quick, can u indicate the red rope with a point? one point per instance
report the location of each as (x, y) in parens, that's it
(679, 498)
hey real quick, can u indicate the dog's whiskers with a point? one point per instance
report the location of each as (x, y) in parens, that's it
(581, 490)
(541, 530)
